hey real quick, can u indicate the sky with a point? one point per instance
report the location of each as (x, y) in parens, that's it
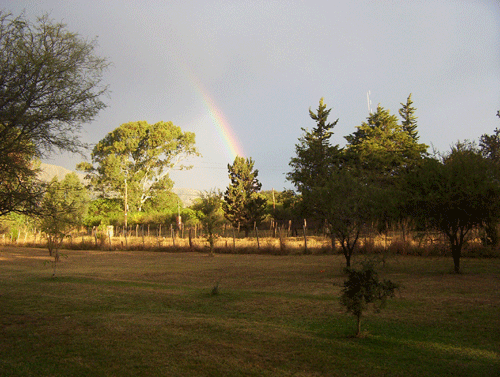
(242, 75)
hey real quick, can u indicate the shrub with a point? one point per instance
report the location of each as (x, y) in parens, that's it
(362, 288)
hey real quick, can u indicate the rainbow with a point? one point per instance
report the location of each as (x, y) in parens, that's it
(232, 147)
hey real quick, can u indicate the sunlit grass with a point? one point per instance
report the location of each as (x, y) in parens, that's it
(125, 313)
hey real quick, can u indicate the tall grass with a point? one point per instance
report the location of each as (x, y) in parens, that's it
(420, 244)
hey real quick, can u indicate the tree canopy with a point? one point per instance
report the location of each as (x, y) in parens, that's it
(314, 154)
(383, 146)
(139, 155)
(243, 205)
(62, 209)
(50, 84)
(455, 194)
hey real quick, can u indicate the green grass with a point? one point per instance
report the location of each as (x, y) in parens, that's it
(152, 314)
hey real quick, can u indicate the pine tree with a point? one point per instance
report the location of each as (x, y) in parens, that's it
(382, 146)
(315, 154)
(243, 206)
(409, 123)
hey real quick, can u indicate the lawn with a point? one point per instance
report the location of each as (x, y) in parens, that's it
(142, 313)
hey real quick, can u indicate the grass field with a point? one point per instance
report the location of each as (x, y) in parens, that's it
(143, 313)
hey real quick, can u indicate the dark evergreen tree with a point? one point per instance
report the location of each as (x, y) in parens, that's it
(315, 154)
(243, 205)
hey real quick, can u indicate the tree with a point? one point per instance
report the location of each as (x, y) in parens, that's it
(314, 154)
(104, 211)
(347, 202)
(138, 156)
(409, 122)
(384, 147)
(490, 148)
(243, 205)
(362, 288)
(209, 212)
(50, 84)
(455, 194)
(62, 210)
(385, 150)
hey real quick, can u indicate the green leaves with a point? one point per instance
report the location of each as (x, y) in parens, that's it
(50, 84)
(243, 205)
(455, 194)
(63, 207)
(362, 288)
(314, 153)
(143, 154)
(384, 146)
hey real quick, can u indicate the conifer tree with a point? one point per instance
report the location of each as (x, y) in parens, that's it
(315, 154)
(243, 205)
(383, 147)
(409, 123)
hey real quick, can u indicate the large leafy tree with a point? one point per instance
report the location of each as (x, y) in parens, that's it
(243, 205)
(50, 85)
(138, 156)
(454, 194)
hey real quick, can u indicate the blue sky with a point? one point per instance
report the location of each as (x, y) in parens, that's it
(265, 63)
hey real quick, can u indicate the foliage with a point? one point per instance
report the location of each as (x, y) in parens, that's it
(314, 153)
(347, 202)
(383, 146)
(455, 194)
(384, 150)
(104, 211)
(409, 120)
(288, 206)
(490, 145)
(362, 288)
(490, 148)
(140, 156)
(243, 205)
(211, 215)
(62, 210)
(50, 84)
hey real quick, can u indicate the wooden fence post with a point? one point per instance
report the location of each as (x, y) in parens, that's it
(234, 240)
(172, 233)
(305, 236)
(190, 240)
(256, 234)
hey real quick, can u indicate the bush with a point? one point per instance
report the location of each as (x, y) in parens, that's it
(362, 288)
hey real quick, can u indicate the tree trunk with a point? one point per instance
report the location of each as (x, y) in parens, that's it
(347, 259)
(359, 325)
(456, 251)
